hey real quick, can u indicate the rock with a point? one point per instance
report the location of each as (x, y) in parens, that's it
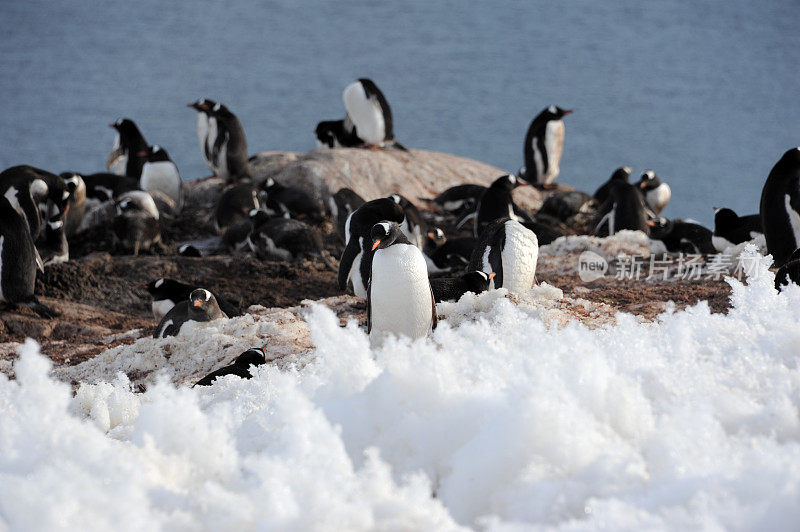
(414, 174)
(265, 164)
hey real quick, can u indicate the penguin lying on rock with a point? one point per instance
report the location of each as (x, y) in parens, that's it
(731, 229)
(168, 292)
(286, 239)
(291, 202)
(201, 306)
(235, 205)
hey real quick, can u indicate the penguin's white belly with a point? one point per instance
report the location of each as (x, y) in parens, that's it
(400, 293)
(794, 220)
(519, 256)
(160, 308)
(119, 165)
(658, 198)
(162, 176)
(223, 171)
(202, 133)
(414, 234)
(721, 243)
(211, 138)
(554, 144)
(366, 114)
(359, 290)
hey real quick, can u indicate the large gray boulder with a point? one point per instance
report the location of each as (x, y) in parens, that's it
(414, 174)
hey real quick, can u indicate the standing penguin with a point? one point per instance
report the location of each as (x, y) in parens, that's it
(203, 107)
(19, 261)
(496, 202)
(201, 306)
(544, 145)
(623, 174)
(780, 207)
(128, 141)
(510, 251)
(399, 298)
(228, 145)
(369, 111)
(32, 191)
(160, 174)
(354, 266)
(656, 194)
(623, 209)
(731, 229)
(77, 202)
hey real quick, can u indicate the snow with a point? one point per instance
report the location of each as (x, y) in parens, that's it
(516, 414)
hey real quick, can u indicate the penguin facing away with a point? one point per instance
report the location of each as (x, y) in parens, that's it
(336, 134)
(106, 186)
(369, 111)
(342, 204)
(544, 145)
(452, 288)
(623, 174)
(681, 236)
(354, 265)
(656, 193)
(201, 306)
(731, 229)
(510, 251)
(623, 209)
(780, 207)
(459, 198)
(128, 141)
(235, 205)
(229, 145)
(291, 201)
(160, 174)
(399, 297)
(240, 367)
(497, 202)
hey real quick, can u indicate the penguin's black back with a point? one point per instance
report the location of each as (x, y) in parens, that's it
(17, 257)
(454, 253)
(296, 201)
(536, 133)
(240, 367)
(178, 291)
(452, 288)
(235, 204)
(372, 91)
(132, 142)
(98, 185)
(292, 235)
(620, 174)
(789, 272)
(170, 324)
(496, 202)
(493, 239)
(685, 237)
(344, 202)
(229, 128)
(629, 208)
(783, 180)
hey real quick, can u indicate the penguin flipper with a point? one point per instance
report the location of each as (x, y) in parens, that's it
(39, 262)
(346, 262)
(496, 262)
(434, 317)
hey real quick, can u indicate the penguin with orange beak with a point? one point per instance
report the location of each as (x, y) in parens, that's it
(201, 306)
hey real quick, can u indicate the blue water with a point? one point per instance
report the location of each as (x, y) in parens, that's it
(705, 93)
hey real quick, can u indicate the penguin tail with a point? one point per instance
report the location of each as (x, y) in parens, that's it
(396, 145)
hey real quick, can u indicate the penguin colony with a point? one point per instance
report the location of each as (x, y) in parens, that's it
(392, 257)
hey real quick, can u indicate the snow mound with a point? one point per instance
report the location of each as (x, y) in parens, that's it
(497, 422)
(622, 243)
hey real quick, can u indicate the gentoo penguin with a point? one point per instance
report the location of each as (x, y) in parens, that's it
(201, 306)
(731, 229)
(544, 233)
(399, 296)
(105, 186)
(240, 367)
(336, 134)
(136, 226)
(681, 236)
(188, 250)
(235, 236)
(228, 144)
(291, 202)
(623, 174)
(369, 111)
(414, 227)
(160, 174)
(452, 288)
(544, 145)
(563, 206)
(76, 203)
(53, 247)
(355, 262)
(446, 254)
(137, 200)
(128, 141)
(235, 205)
(780, 207)
(286, 239)
(458, 199)
(789, 272)
(656, 194)
(168, 292)
(510, 251)
(342, 204)
(496, 202)
(33, 191)
(623, 209)
(203, 107)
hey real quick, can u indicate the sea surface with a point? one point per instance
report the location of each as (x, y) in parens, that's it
(705, 93)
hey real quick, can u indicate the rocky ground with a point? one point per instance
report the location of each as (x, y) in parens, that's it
(103, 305)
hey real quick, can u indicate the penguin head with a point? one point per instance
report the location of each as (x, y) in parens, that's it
(329, 131)
(163, 288)
(202, 300)
(255, 356)
(73, 181)
(202, 105)
(126, 128)
(188, 250)
(477, 281)
(555, 112)
(725, 220)
(507, 183)
(384, 234)
(436, 236)
(649, 180)
(623, 173)
(660, 227)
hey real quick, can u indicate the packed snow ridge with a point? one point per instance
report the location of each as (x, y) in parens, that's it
(499, 421)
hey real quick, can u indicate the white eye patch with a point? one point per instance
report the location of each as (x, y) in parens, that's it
(159, 283)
